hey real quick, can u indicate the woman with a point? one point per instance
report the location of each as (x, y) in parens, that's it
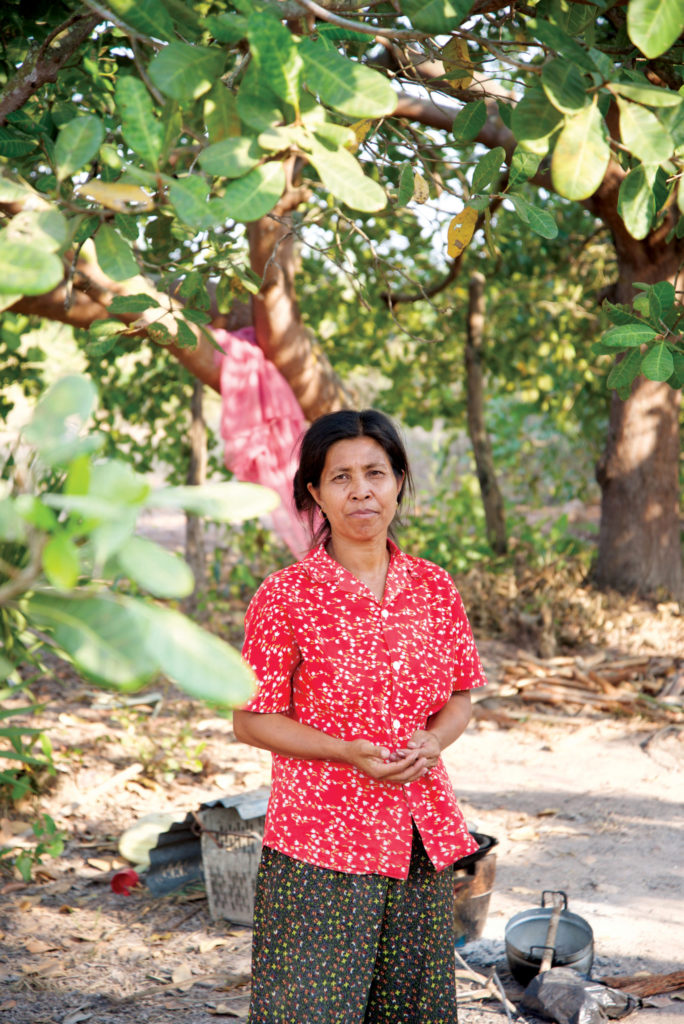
(364, 660)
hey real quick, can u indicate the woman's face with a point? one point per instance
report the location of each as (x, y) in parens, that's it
(358, 489)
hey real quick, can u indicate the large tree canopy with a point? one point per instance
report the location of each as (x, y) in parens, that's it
(160, 161)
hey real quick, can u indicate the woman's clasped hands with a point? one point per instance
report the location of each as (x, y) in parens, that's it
(405, 764)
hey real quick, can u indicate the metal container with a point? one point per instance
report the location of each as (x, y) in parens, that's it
(473, 883)
(525, 935)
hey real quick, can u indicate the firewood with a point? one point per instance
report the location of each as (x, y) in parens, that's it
(646, 985)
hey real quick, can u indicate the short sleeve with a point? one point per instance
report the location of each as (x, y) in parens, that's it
(271, 650)
(468, 672)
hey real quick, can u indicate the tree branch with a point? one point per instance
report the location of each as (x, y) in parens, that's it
(359, 26)
(456, 264)
(280, 332)
(43, 63)
(91, 295)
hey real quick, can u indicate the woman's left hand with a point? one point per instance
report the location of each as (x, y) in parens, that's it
(426, 746)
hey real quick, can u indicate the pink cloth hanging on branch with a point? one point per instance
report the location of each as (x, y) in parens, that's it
(261, 424)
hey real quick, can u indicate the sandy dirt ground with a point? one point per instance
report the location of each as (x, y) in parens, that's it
(580, 801)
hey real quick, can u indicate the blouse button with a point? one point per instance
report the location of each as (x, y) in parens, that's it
(396, 665)
(396, 724)
(384, 613)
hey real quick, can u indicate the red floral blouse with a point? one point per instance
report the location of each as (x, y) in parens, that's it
(327, 653)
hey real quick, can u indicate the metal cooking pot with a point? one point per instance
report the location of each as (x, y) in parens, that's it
(525, 935)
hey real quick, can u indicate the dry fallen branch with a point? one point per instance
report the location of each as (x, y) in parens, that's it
(486, 988)
(618, 686)
(646, 985)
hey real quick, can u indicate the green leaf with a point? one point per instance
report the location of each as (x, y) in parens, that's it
(186, 72)
(15, 144)
(190, 198)
(61, 563)
(155, 569)
(534, 120)
(139, 127)
(563, 84)
(621, 315)
(199, 662)
(12, 526)
(149, 17)
(275, 51)
(249, 198)
(677, 379)
(629, 335)
(45, 229)
(58, 416)
(469, 121)
(101, 635)
(487, 169)
(623, 374)
(6, 669)
(541, 222)
(256, 104)
(334, 136)
(661, 299)
(172, 122)
(184, 335)
(103, 336)
(650, 95)
(227, 28)
(110, 535)
(230, 502)
(405, 193)
(12, 191)
(523, 167)
(643, 134)
(231, 158)
(437, 17)
(114, 255)
(346, 85)
(658, 364)
(636, 203)
(654, 25)
(77, 143)
(581, 155)
(556, 39)
(342, 174)
(221, 114)
(137, 303)
(25, 270)
(118, 482)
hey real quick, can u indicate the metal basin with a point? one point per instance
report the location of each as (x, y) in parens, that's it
(525, 936)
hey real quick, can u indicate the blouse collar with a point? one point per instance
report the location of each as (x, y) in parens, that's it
(401, 573)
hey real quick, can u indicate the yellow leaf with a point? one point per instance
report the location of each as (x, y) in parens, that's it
(208, 944)
(421, 190)
(461, 230)
(182, 977)
(455, 58)
(115, 196)
(360, 129)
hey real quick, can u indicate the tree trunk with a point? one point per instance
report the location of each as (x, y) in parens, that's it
(640, 533)
(479, 437)
(197, 475)
(280, 332)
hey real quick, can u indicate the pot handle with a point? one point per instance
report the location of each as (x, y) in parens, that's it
(554, 892)
(552, 948)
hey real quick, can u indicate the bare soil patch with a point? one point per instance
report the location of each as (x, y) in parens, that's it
(584, 798)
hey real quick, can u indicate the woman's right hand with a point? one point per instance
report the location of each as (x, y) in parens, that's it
(374, 761)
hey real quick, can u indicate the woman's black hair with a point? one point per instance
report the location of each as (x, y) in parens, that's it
(326, 431)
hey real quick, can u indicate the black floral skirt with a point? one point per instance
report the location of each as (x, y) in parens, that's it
(337, 948)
